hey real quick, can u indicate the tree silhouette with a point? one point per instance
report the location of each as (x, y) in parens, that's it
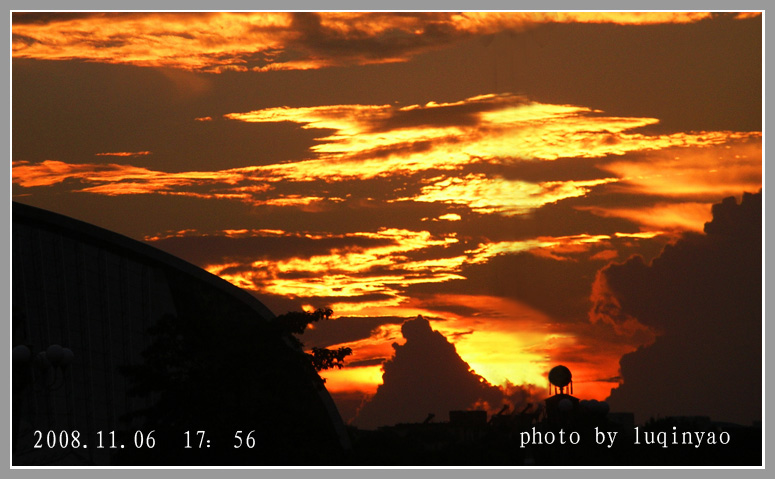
(296, 322)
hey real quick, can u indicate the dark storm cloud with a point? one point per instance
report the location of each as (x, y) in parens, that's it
(703, 296)
(401, 149)
(43, 18)
(363, 45)
(561, 169)
(454, 114)
(562, 218)
(558, 286)
(426, 375)
(442, 306)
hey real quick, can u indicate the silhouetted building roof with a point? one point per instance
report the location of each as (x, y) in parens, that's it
(112, 336)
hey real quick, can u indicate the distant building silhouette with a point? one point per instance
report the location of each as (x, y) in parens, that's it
(561, 431)
(111, 336)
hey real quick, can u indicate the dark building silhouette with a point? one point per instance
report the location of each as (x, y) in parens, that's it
(113, 339)
(560, 431)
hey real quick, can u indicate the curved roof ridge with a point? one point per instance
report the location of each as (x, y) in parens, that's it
(112, 240)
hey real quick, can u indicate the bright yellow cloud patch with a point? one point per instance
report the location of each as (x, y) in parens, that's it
(498, 195)
(351, 272)
(370, 141)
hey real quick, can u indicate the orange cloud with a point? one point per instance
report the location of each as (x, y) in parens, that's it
(377, 345)
(371, 141)
(605, 255)
(350, 272)
(50, 172)
(115, 179)
(566, 248)
(684, 216)
(193, 41)
(692, 178)
(716, 171)
(364, 142)
(262, 41)
(125, 153)
(552, 247)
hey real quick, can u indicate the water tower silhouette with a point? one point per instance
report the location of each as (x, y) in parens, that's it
(560, 377)
(561, 406)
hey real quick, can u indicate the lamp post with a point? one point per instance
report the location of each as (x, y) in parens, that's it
(45, 369)
(50, 363)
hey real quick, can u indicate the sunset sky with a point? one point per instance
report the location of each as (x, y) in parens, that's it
(475, 169)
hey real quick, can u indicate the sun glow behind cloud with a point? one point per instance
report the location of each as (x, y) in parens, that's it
(364, 379)
(507, 343)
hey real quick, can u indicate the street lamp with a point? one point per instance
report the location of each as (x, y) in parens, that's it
(50, 363)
